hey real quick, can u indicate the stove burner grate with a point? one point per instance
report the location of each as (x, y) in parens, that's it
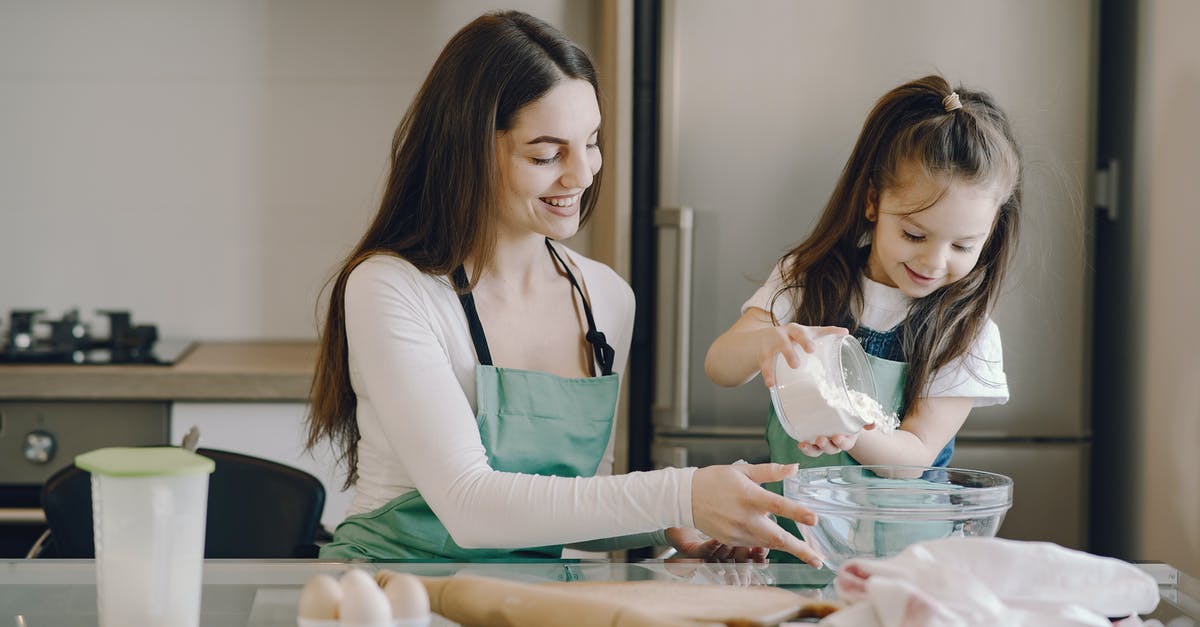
(69, 341)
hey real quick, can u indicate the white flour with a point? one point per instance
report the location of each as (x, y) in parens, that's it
(811, 403)
(871, 411)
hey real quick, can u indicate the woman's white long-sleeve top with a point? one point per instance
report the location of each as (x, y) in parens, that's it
(412, 368)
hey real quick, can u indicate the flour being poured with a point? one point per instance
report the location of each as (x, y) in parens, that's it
(811, 403)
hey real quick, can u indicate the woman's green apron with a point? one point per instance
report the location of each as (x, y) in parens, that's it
(529, 422)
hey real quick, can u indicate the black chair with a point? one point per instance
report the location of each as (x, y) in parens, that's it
(256, 509)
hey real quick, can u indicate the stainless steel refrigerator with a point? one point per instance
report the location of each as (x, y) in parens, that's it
(757, 106)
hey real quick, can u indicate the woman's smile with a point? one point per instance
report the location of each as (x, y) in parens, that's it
(563, 206)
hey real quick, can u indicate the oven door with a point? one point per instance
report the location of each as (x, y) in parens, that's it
(37, 438)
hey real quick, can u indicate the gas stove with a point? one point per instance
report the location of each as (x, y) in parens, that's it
(31, 339)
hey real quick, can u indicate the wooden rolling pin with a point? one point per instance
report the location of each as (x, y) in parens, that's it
(489, 602)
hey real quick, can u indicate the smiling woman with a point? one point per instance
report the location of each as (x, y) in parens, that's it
(470, 364)
(549, 159)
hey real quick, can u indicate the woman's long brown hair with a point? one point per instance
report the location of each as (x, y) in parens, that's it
(910, 125)
(439, 204)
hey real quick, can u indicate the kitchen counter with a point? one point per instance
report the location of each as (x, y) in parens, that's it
(265, 593)
(210, 371)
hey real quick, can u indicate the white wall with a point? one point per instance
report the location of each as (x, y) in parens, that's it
(205, 164)
(1165, 190)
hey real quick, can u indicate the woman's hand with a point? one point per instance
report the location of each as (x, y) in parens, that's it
(729, 505)
(692, 543)
(831, 444)
(782, 340)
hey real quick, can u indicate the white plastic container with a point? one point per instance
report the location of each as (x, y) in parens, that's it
(148, 508)
(832, 392)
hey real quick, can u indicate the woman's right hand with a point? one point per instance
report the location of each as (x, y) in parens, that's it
(782, 340)
(729, 504)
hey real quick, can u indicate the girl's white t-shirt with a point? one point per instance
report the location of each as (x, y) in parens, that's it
(412, 368)
(977, 374)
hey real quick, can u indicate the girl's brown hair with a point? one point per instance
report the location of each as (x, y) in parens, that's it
(440, 201)
(911, 125)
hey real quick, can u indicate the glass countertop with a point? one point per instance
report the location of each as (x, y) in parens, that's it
(265, 593)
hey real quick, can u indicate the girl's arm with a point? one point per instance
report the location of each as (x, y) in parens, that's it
(975, 379)
(921, 435)
(750, 347)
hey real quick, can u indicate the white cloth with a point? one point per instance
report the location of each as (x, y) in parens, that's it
(960, 582)
(412, 367)
(977, 374)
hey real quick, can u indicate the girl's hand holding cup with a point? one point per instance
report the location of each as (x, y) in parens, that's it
(782, 340)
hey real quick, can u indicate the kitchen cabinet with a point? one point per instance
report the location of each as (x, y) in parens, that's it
(246, 397)
(270, 430)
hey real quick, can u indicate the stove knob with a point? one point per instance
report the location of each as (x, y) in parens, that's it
(22, 340)
(40, 447)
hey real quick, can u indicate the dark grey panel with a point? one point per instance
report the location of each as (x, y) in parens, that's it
(58, 431)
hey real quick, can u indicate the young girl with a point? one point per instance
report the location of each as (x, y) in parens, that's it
(470, 363)
(909, 256)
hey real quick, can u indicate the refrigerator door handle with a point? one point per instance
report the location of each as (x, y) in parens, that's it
(674, 307)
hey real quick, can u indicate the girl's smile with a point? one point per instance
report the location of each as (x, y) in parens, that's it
(928, 232)
(919, 278)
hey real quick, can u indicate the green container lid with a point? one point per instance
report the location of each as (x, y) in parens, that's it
(150, 461)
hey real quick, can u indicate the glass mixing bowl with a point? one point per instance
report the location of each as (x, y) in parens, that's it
(877, 511)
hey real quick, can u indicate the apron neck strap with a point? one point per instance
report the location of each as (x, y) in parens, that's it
(468, 304)
(603, 351)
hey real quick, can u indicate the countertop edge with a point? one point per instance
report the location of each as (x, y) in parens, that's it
(211, 371)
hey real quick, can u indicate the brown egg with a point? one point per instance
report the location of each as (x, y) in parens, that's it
(320, 598)
(407, 596)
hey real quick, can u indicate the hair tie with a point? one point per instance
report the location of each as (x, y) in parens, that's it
(951, 102)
